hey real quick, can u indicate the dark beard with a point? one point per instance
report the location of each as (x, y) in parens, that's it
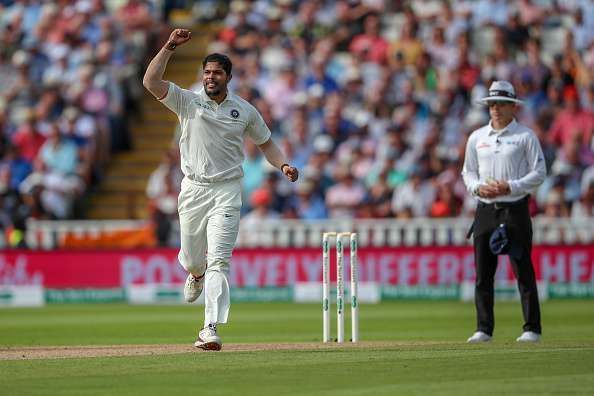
(213, 92)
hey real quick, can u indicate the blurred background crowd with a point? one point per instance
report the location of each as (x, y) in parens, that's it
(70, 75)
(372, 100)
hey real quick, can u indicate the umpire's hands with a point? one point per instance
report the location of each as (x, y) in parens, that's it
(494, 188)
(291, 173)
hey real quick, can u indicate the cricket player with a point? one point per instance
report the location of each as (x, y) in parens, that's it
(214, 123)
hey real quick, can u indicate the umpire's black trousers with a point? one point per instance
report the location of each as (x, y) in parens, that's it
(517, 219)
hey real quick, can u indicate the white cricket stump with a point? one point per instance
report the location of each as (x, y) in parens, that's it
(339, 286)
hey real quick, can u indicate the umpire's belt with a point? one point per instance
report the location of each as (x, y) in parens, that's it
(504, 205)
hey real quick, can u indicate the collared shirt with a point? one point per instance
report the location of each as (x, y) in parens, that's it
(513, 154)
(211, 143)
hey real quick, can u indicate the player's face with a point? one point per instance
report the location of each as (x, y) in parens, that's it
(502, 112)
(214, 79)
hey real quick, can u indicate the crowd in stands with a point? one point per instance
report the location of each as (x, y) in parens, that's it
(374, 100)
(69, 83)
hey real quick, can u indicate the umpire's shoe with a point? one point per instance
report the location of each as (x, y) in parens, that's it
(193, 287)
(528, 336)
(479, 337)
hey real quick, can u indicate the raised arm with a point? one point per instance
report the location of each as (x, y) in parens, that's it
(153, 77)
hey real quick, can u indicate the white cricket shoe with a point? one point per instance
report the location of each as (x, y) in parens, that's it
(478, 337)
(193, 288)
(208, 339)
(528, 336)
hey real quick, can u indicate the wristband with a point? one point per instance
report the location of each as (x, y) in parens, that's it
(282, 167)
(170, 45)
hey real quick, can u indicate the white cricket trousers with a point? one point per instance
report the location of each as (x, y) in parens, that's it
(209, 223)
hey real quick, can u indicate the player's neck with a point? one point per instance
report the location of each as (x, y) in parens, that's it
(219, 98)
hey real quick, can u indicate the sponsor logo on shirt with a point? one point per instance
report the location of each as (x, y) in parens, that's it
(483, 145)
(203, 105)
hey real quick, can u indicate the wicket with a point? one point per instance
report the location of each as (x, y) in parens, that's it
(339, 286)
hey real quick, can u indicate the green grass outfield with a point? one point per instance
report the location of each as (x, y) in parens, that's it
(416, 348)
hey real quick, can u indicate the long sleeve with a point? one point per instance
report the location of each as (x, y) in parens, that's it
(536, 164)
(470, 170)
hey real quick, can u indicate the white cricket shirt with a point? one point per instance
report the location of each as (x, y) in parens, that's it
(513, 154)
(211, 143)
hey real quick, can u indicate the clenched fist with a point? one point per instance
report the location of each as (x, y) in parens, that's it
(178, 37)
(290, 172)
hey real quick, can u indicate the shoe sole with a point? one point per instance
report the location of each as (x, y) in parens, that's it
(209, 346)
(193, 299)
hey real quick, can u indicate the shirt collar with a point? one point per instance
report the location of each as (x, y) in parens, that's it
(508, 128)
(230, 96)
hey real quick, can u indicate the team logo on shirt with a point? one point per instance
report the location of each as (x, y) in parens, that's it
(234, 113)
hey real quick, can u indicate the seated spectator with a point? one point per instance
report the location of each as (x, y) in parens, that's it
(260, 201)
(135, 16)
(318, 76)
(379, 197)
(408, 46)
(16, 168)
(446, 203)
(57, 173)
(27, 138)
(23, 91)
(253, 170)
(344, 197)
(280, 189)
(414, 197)
(58, 155)
(555, 206)
(584, 207)
(307, 205)
(281, 90)
(572, 121)
(162, 190)
(370, 46)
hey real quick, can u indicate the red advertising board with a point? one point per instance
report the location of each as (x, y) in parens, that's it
(281, 267)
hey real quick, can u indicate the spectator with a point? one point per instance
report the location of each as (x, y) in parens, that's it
(584, 207)
(15, 168)
(27, 138)
(414, 197)
(253, 168)
(370, 46)
(162, 190)
(308, 205)
(344, 198)
(408, 45)
(446, 204)
(260, 201)
(572, 121)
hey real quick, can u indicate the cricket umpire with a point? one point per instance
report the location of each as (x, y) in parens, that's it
(503, 164)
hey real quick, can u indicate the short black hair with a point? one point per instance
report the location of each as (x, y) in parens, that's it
(221, 59)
